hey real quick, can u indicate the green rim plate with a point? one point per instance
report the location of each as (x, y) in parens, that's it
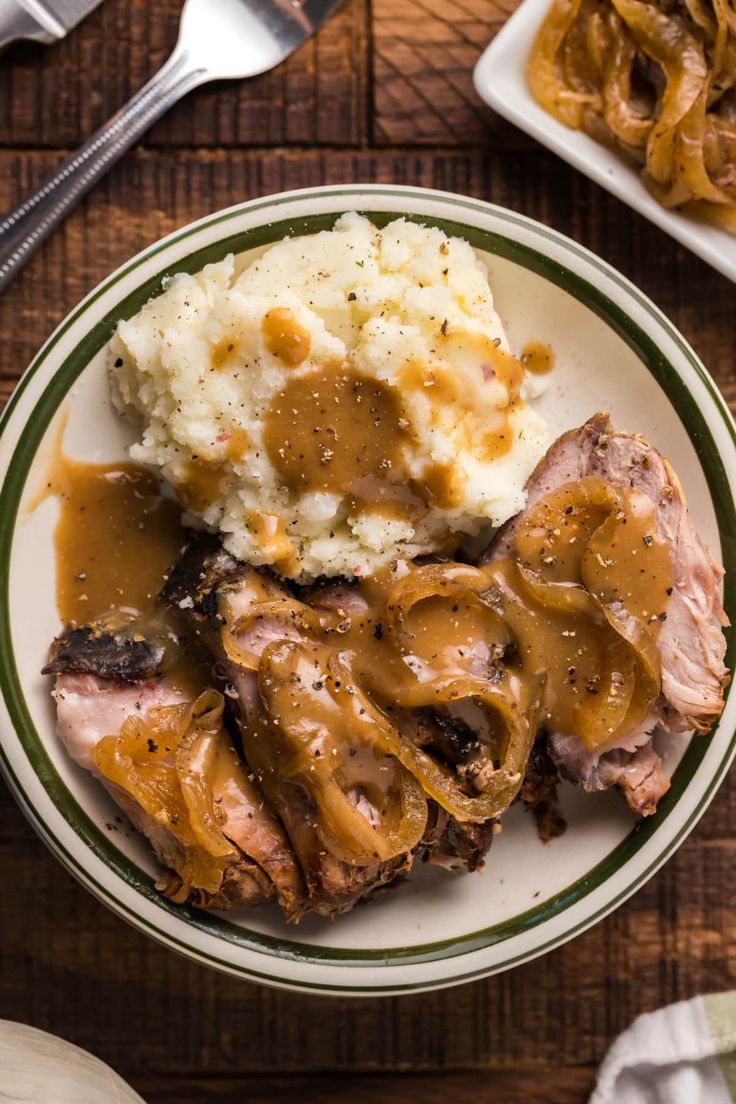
(99, 329)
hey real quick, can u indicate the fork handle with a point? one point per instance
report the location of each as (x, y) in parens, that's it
(24, 228)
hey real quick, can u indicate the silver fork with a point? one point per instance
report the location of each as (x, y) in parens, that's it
(218, 40)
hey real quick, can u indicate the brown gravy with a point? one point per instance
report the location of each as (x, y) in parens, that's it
(441, 485)
(270, 533)
(330, 430)
(203, 479)
(115, 539)
(337, 431)
(454, 405)
(537, 358)
(408, 659)
(285, 338)
(385, 498)
(202, 483)
(222, 353)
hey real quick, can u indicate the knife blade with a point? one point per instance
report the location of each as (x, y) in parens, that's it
(41, 20)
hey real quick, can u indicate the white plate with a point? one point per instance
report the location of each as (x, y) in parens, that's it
(500, 81)
(615, 350)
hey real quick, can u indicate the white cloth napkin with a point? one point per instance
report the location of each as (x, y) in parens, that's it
(37, 1068)
(682, 1054)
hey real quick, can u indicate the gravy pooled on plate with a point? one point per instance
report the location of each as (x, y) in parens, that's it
(115, 539)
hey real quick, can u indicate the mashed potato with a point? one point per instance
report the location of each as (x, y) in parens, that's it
(346, 398)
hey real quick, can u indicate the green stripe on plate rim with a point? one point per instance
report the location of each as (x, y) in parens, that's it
(47, 405)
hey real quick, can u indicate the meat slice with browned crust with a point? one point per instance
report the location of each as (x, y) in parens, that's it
(691, 643)
(104, 677)
(207, 586)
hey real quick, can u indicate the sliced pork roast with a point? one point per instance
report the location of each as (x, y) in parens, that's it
(395, 717)
(210, 588)
(690, 641)
(114, 696)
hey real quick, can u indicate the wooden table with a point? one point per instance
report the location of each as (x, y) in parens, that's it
(384, 94)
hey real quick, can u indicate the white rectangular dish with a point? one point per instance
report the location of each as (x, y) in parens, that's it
(500, 80)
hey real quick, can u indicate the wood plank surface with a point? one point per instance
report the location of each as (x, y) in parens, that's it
(494, 1086)
(64, 958)
(385, 95)
(424, 52)
(56, 96)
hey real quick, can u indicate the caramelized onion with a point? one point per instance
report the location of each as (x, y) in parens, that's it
(165, 763)
(319, 719)
(586, 60)
(625, 121)
(321, 735)
(291, 617)
(590, 560)
(543, 73)
(329, 736)
(501, 697)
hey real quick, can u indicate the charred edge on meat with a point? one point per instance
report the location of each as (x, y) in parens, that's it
(201, 570)
(455, 846)
(90, 650)
(195, 586)
(451, 737)
(539, 792)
